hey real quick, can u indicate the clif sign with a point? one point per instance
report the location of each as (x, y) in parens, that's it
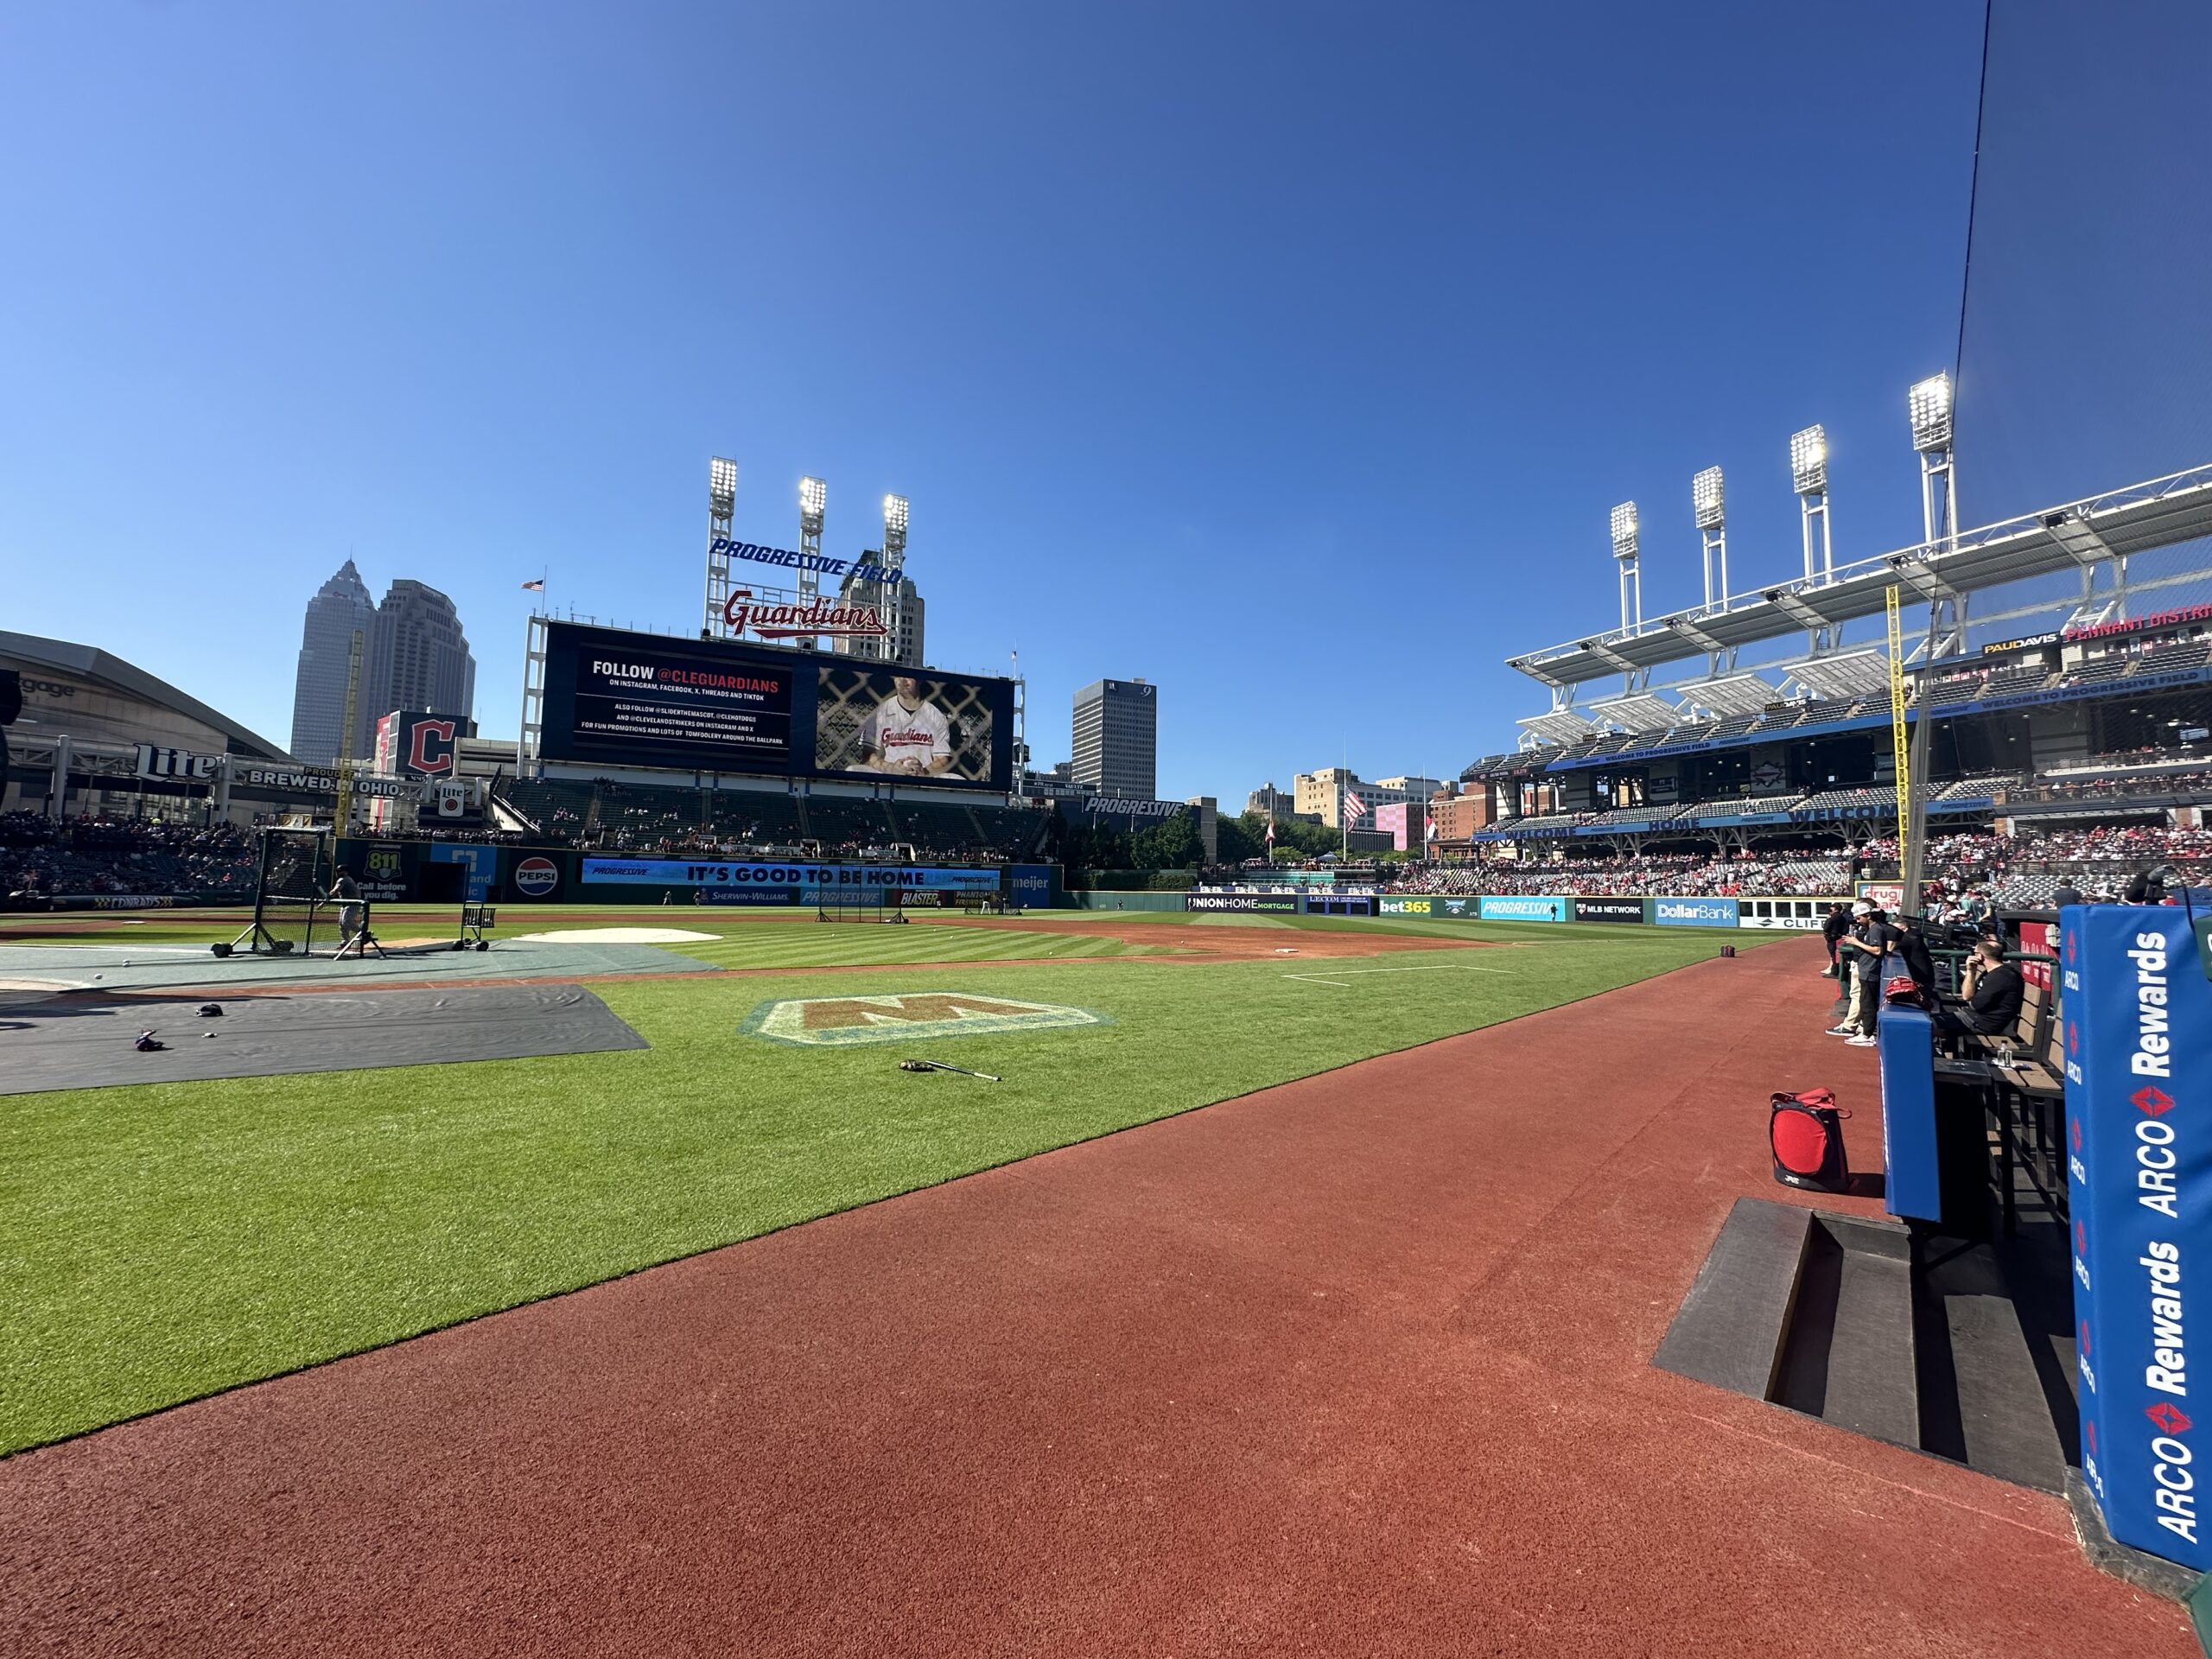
(2138, 1011)
(821, 616)
(862, 571)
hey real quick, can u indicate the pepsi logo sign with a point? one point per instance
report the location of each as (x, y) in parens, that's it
(536, 877)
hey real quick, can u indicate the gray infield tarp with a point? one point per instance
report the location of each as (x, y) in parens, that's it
(83, 1042)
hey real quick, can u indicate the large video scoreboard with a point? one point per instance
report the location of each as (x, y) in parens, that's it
(614, 698)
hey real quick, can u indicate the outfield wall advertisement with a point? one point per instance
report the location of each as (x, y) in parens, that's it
(1609, 908)
(1524, 908)
(2138, 1007)
(390, 871)
(614, 698)
(807, 878)
(1694, 913)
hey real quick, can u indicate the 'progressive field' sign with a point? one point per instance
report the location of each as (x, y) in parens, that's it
(2138, 1009)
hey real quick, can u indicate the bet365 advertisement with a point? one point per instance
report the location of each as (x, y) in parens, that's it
(615, 697)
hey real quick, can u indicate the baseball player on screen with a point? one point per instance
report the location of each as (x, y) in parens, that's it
(905, 734)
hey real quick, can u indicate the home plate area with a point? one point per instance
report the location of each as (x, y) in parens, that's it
(850, 1021)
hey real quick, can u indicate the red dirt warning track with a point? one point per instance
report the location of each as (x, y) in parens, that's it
(1357, 1366)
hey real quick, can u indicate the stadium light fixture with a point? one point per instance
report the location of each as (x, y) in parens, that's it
(1929, 403)
(1808, 461)
(1708, 500)
(894, 512)
(721, 486)
(813, 496)
(1625, 530)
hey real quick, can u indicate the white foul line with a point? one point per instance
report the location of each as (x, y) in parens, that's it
(1355, 973)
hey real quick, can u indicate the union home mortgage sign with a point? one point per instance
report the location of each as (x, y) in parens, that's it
(2138, 1009)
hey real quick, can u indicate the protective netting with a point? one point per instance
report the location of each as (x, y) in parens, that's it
(2085, 360)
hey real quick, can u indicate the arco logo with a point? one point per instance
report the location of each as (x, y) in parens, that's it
(536, 877)
(849, 1021)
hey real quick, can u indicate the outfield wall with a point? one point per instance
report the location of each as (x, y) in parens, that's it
(1658, 910)
(391, 872)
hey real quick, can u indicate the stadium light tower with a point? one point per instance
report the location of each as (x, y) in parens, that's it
(1809, 472)
(1709, 501)
(1928, 404)
(886, 594)
(721, 509)
(894, 532)
(813, 500)
(1624, 548)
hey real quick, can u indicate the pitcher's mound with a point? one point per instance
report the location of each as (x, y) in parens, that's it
(621, 935)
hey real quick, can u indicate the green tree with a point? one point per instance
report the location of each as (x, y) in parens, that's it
(1237, 839)
(1171, 844)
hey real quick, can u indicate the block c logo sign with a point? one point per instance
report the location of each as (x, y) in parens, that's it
(430, 747)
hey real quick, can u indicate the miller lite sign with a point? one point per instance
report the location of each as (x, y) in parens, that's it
(179, 766)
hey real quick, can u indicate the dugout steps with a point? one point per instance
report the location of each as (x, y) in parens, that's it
(1943, 1345)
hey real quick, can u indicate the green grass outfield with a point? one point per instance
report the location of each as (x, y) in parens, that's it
(162, 1241)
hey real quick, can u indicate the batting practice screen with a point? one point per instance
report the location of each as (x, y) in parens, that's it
(617, 697)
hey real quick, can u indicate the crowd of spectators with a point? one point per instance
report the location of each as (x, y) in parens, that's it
(39, 857)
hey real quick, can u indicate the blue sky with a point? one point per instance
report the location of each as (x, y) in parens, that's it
(1290, 356)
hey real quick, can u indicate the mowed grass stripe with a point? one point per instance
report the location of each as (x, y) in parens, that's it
(868, 945)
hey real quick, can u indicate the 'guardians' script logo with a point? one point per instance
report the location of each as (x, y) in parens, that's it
(843, 1022)
(792, 622)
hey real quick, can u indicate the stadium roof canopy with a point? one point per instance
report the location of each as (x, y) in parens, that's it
(2160, 514)
(91, 663)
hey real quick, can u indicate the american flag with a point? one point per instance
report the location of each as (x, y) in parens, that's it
(1271, 832)
(1354, 807)
(535, 586)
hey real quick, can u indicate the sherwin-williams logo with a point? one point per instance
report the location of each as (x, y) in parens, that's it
(845, 1021)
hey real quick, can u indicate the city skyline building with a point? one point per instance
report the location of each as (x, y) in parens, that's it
(339, 608)
(1117, 738)
(419, 660)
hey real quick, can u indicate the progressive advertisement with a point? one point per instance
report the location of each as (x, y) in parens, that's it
(617, 697)
(1524, 908)
(2138, 1009)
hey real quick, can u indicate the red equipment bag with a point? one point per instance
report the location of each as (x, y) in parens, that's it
(1805, 1132)
(1901, 993)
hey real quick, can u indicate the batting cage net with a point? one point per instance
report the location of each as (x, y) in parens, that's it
(860, 905)
(294, 913)
(878, 719)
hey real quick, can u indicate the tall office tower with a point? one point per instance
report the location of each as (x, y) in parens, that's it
(340, 606)
(901, 605)
(1117, 738)
(419, 660)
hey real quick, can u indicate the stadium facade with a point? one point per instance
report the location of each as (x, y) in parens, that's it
(2087, 694)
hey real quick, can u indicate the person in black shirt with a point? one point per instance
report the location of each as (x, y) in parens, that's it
(1837, 925)
(2065, 894)
(1865, 947)
(1912, 950)
(1994, 991)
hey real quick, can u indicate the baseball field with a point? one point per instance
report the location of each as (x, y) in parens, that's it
(160, 1242)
